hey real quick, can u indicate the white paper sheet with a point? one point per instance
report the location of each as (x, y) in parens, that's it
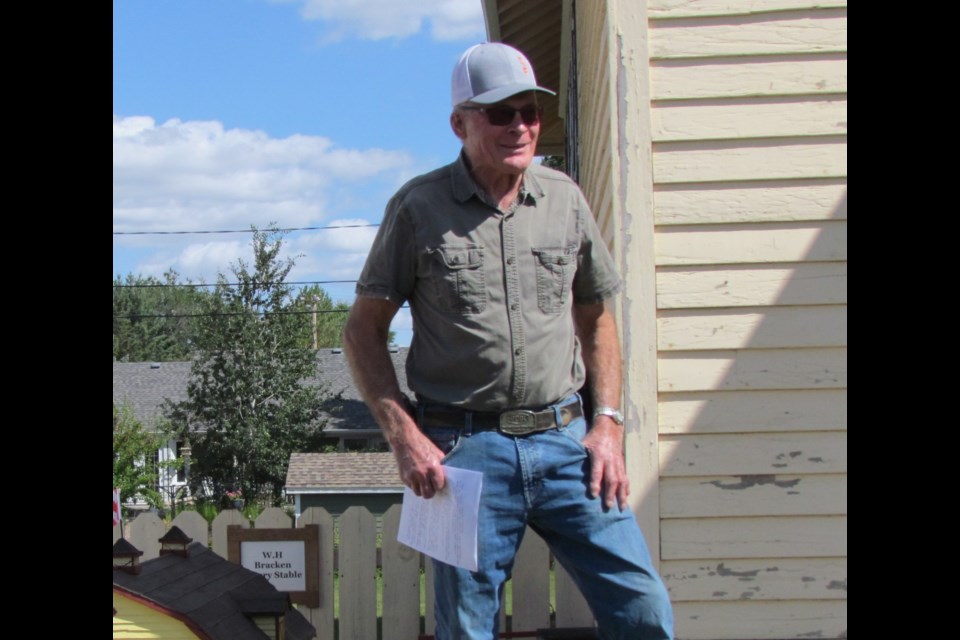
(445, 526)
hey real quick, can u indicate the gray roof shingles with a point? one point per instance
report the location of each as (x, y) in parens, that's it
(356, 472)
(144, 386)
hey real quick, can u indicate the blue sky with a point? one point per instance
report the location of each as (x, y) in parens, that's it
(303, 113)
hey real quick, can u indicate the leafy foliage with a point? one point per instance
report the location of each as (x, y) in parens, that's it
(134, 449)
(329, 317)
(252, 396)
(152, 319)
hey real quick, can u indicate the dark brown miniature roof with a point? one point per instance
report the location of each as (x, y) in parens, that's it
(213, 593)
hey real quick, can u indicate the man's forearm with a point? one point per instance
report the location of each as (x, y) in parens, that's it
(365, 345)
(600, 347)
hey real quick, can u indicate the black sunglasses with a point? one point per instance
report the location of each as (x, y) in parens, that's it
(501, 116)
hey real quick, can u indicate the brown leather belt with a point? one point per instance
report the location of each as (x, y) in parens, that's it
(516, 422)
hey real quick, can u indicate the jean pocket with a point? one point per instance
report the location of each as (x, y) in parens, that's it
(444, 439)
(575, 433)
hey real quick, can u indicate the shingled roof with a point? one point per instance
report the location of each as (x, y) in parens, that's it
(144, 385)
(343, 473)
(214, 594)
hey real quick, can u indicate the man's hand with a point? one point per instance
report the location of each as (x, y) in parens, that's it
(365, 343)
(419, 462)
(608, 473)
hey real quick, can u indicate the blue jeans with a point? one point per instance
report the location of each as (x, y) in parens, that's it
(543, 480)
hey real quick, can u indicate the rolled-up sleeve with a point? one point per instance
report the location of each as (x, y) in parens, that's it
(596, 278)
(390, 270)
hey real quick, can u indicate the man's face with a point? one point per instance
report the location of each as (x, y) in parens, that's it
(499, 149)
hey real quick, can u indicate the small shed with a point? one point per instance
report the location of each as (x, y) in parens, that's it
(337, 481)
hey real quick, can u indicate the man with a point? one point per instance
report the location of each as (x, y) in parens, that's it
(508, 282)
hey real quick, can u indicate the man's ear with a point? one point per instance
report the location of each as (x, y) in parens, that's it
(458, 125)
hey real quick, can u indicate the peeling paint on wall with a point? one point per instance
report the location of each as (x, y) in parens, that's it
(753, 481)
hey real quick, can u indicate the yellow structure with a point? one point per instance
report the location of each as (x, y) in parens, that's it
(136, 620)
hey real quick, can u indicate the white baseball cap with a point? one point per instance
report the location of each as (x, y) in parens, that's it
(491, 72)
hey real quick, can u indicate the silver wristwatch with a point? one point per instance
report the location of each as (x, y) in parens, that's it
(609, 411)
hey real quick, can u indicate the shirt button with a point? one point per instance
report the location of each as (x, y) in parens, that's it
(517, 351)
(515, 306)
(511, 260)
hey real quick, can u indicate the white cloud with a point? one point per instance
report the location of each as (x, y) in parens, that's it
(380, 19)
(198, 176)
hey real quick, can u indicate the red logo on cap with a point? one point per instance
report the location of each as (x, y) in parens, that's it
(523, 65)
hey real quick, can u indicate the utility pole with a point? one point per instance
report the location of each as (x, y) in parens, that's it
(314, 323)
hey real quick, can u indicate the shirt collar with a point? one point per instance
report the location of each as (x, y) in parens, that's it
(465, 187)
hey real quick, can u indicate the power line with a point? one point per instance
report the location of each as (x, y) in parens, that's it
(229, 313)
(226, 313)
(165, 233)
(229, 284)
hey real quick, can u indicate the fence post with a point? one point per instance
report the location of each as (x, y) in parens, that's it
(401, 582)
(572, 609)
(145, 533)
(322, 618)
(358, 574)
(219, 530)
(194, 525)
(531, 584)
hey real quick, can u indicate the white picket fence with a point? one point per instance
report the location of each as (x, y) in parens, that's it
(401, 570)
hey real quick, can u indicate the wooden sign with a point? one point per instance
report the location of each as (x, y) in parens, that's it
(288, 558)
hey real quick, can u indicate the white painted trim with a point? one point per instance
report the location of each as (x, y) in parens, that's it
(635, 250)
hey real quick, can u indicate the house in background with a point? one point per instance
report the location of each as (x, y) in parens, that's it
(349, 424)
(710, 139)
(191, 592)
(144, 386)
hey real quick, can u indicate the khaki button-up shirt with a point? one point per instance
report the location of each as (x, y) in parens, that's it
(490, 291)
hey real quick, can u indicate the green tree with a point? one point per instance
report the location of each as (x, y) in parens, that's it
(252, 396)
(326, 318)
(153, 318)
(135, 471)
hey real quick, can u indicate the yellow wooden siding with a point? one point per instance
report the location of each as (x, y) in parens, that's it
(748, 136)
(750, 579)
(757, 537)
(715, 162)
(707, 8)
(772, 494)
(730, 77)
(812, 368)
(797, 32)
(752, 285)
(135, 621)
(820, 241)
(789, 453)
(753, 410)
(761, 620)
(766, 201)
(756, 327)
(761, 118)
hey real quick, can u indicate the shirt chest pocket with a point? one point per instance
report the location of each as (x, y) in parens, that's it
(555, 269)
(458, 278)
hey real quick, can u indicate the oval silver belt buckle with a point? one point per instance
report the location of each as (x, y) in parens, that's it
(518, 422)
